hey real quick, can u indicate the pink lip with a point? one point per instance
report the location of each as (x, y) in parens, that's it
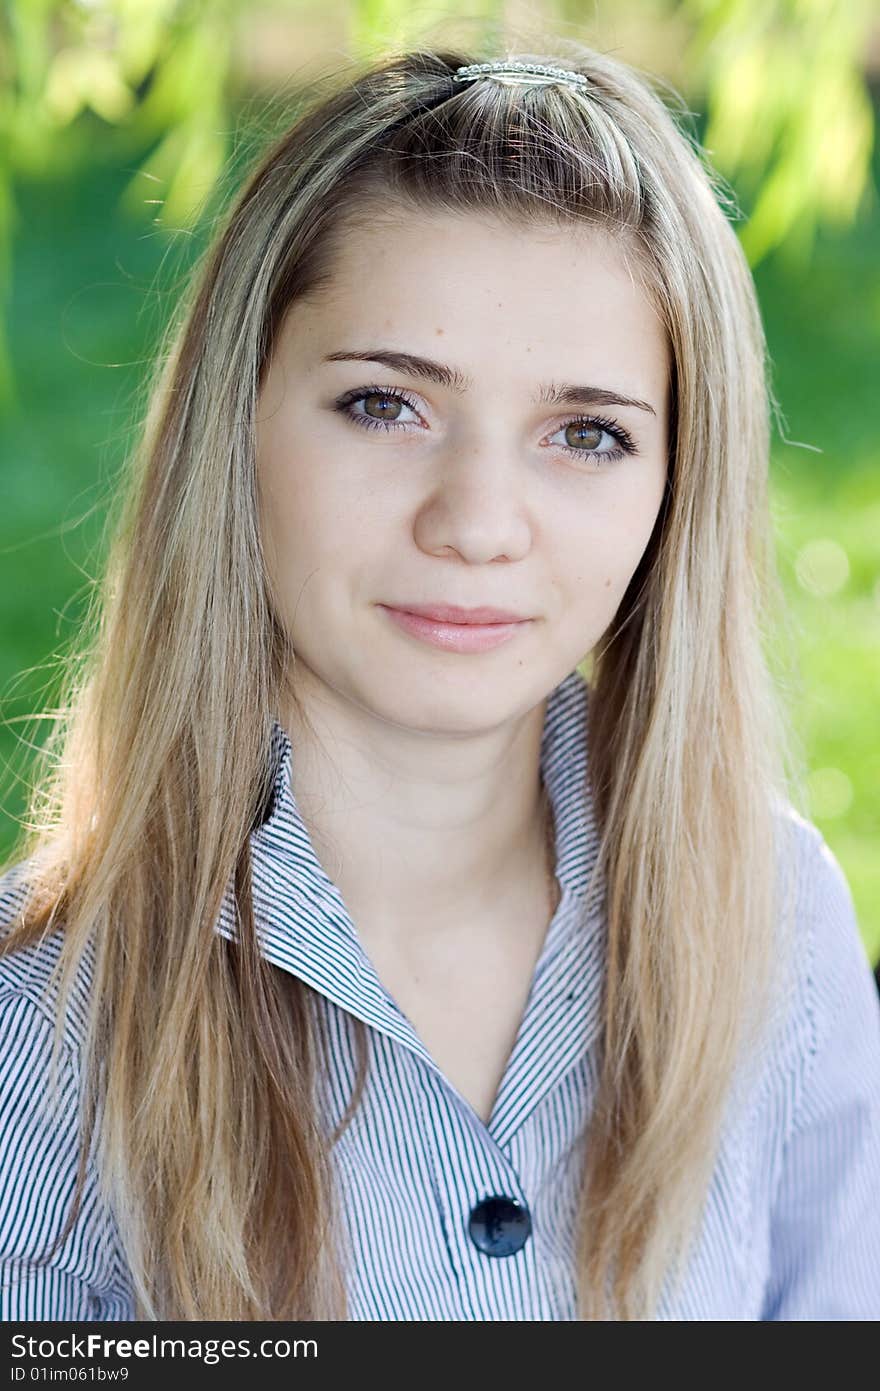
(451, 613)
(470, 636)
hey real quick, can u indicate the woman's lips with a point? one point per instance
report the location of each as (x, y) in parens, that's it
(455, 637)
(452, 613)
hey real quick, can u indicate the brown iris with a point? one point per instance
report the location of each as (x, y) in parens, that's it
(583, 436)
(381, 397)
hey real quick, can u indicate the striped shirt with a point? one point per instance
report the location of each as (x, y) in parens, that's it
(447, 1217)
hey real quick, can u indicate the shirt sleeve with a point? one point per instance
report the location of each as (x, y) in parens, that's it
(825, 1220)
(39, 1153)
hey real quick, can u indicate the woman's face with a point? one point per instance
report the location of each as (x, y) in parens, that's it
(455, 479)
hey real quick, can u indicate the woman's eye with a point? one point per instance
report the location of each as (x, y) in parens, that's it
(585, 436)
(382, 409)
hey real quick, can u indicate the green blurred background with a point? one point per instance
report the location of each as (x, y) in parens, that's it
(124, 127)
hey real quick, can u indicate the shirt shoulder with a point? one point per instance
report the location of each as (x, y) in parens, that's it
(827, 961)
(27, 973)
(40, 1143)
(824, 1117)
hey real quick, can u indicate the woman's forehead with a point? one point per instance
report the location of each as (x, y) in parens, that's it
(448, 286)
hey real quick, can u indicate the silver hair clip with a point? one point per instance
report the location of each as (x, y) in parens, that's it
(515, 74)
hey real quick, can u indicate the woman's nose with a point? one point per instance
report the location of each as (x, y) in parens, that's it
(477, 506)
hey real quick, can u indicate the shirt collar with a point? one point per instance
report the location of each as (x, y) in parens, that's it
(301, 920)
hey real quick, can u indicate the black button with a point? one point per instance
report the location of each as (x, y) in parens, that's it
(499, 1226)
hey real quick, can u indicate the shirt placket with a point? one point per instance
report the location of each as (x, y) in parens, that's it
(475, 1172)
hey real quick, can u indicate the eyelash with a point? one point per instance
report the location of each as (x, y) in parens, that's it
(625, 443)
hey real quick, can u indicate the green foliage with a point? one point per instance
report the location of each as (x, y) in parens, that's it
(146, 82)
(789, 113)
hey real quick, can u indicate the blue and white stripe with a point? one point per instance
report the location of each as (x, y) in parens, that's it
(791, 1228)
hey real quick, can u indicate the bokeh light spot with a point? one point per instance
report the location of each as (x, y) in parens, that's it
(831, 793)
(822, 567)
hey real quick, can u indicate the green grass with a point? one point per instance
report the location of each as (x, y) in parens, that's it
(83, 315)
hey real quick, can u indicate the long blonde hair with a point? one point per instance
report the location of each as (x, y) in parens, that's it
(199, 1056)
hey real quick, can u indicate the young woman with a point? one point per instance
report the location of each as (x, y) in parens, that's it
(416, 921)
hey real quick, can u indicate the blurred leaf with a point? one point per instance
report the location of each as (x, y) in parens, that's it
(142, 28)
(29, 40)
(186, 100)
(191, 74)
(789, 114)
(79, 77)
(179, 174)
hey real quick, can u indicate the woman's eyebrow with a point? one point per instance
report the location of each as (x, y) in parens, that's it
(551, 393)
